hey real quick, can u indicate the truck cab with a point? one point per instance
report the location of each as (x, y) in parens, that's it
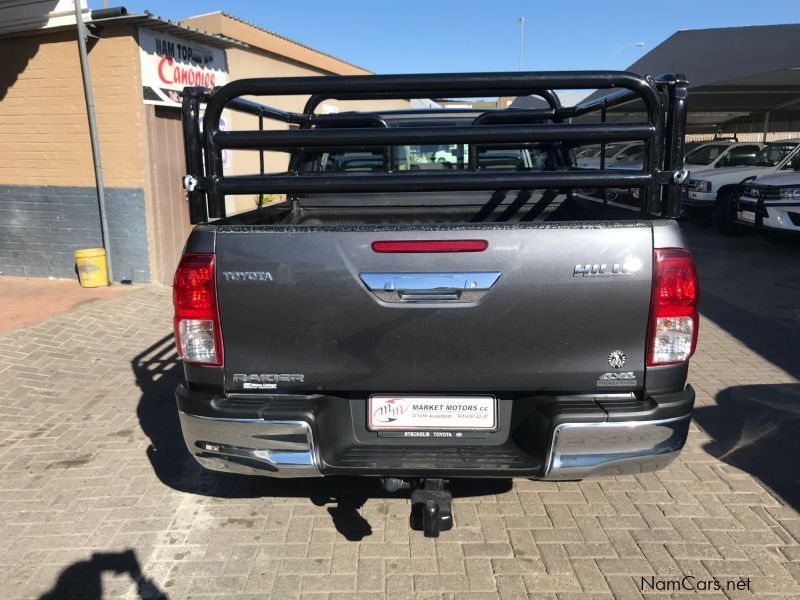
(722, 153)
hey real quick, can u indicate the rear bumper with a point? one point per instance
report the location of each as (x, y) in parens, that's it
(296, 438)
(583, 450)
(251, 446)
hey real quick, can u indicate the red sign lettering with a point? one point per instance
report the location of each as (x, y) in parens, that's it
(172, 74)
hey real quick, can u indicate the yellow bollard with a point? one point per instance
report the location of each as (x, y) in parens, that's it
(91, 263)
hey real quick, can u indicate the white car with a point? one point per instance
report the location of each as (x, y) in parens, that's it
(714, 188)
(722, 153)
(619, 154)
(772, 202)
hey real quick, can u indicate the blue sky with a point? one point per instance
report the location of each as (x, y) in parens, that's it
(462, 35)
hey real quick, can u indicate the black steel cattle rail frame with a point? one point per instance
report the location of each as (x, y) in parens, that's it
(664, 100)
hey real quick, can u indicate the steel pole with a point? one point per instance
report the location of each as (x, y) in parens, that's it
(98, 169)
(521, 39)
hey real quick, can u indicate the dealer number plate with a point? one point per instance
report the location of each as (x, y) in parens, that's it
(749, 217)
(439, 413)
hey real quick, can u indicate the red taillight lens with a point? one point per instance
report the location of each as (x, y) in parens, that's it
(431, 246)
(194, 295)
(673, 314)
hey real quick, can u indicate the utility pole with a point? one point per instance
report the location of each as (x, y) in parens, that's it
(521, 39)
(98, 168)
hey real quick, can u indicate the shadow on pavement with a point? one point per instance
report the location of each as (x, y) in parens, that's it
(83, 579)
(756, 428)
(750, 287)
(158, 372)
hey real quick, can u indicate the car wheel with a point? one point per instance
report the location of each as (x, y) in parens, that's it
(724, 215)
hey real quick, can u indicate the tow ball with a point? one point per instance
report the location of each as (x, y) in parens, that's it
(431, 507)
(431, 503)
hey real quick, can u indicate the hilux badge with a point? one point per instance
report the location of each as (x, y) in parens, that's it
(617, 359)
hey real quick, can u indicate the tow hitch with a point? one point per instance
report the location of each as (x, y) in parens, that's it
(431, 507)
(431, 504)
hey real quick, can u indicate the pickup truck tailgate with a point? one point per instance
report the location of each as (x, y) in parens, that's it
(297, 311)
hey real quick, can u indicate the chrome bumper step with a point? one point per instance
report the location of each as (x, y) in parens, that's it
(286, 448)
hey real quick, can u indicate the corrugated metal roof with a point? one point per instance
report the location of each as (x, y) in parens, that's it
(156, 23)
(732, 71)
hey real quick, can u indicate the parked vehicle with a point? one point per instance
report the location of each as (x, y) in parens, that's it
(690, 147)
(496, 320)
(716, 155)
(588, 151)
(714, 189)
(448, 155)
(616, 155)
(772, 202)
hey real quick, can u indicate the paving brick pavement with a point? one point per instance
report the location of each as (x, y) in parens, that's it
(97, 492)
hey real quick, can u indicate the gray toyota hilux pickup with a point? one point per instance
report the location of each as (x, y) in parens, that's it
(443, 293)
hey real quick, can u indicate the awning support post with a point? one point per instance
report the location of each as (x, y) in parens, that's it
(766, 126)
(98, 169)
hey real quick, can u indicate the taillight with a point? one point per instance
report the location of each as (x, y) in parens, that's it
(194, 295)
(673, 314)
(413, 246)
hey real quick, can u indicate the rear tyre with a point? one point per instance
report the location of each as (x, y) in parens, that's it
(725, 213)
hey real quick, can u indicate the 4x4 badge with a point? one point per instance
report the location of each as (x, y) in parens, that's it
(618, 378)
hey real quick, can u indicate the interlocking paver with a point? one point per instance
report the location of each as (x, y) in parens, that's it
(95, 483)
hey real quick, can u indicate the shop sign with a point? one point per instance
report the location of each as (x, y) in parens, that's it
(170, 63)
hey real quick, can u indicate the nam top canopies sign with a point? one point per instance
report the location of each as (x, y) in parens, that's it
(170, 63)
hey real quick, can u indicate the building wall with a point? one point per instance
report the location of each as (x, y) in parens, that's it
(41, 227)
(47, 168)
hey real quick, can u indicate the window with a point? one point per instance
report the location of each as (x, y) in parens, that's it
(741, 155)
(343, 161)
(705, 155)
(612, 149)
(427, 158)
(774, 153)
(632, 153)
(588, 152)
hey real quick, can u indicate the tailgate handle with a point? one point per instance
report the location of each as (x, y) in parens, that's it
(430, 287)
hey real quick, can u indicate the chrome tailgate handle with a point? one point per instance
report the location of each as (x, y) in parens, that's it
(429, 287)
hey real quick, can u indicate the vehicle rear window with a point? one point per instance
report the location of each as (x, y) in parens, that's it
(427, 158)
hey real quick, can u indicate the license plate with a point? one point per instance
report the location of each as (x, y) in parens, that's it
(439, 413)
(747, 216)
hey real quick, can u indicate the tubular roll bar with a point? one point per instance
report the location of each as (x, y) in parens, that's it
(664, 100)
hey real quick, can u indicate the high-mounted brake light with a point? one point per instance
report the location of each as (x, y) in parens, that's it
(673, 313)
(194, 295)
(410, 246)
